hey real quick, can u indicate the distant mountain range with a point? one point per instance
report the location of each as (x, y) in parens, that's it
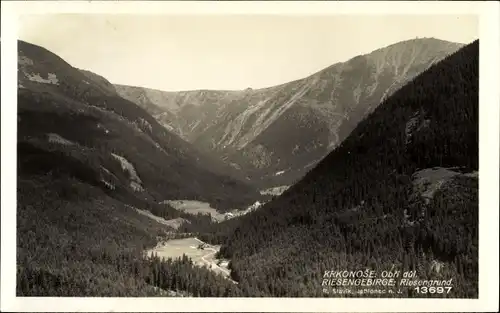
(275, 135)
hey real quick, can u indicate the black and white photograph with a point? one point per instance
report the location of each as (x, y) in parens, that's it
(248, 156)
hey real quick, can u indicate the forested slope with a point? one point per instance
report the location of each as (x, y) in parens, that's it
(87, 161)
(401, 192)
(82, 108)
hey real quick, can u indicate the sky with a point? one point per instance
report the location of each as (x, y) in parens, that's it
(226, 52)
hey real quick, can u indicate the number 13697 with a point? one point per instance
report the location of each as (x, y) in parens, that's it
(433, 289)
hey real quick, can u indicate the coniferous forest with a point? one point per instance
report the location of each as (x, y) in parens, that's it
(400, 193)
(358, 208)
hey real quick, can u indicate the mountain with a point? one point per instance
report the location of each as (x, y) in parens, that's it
(80, 112)
(399, 193)
(275, 135)
(92, 168)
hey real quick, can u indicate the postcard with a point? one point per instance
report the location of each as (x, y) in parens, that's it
(206, 156)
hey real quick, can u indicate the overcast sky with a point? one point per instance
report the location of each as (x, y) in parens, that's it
(226, 52)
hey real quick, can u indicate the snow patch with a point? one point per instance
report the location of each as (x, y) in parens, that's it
(52, 78)
(109, 185)
(279, 173)
(276, 191)
(251, 208)
(255, 206)
(136, 182)
(55, 138)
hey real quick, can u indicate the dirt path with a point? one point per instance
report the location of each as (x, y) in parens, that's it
(211, 254)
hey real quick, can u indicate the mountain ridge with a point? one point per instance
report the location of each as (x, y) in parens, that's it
(400, 193)
(84, 95)
(292, 80)
(245, 127)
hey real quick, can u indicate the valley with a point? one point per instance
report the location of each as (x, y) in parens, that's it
(276, 135)
(194, 207)
(368, 163)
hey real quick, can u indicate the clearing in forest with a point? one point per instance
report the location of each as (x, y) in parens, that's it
(201, 253)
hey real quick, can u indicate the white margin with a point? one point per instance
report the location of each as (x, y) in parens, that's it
(489, 156)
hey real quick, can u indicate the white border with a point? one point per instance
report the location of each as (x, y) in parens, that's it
(489, 153)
